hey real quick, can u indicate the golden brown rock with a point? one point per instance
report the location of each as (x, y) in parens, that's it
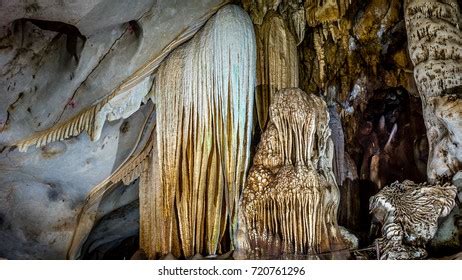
(258, 8)
(277, 62)
(290, 201)
(204, 102)
(319, 11)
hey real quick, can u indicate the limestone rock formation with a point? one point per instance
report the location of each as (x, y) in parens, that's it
(277, 62)
(448, 238)
(338, 139)
(289, 204)
(204, 95)
(435, 48)
(44, 190)
(123, 101)
(319, 11)
(408, 214)
(129, 126)
(190, 185)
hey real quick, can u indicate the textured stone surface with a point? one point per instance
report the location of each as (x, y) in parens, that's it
(449, 234)
(76, 78)
(290, 201)
(43, 84)
(204, 96)
(409, 213)
(435, 48)
(89, 16)
(277, 62)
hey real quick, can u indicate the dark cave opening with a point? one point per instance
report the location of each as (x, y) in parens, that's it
(112, 238)
(115, 234)
(390, 145)
(119, 250)
(75, 41)
(393, 139)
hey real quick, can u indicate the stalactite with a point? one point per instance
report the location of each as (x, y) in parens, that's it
(113, 107)
(258, 8)
(344, 30)
(293, 13)
(320, 55)
(277, 61)
(73, 127)
(204, 102)
(435, 48)
(323, 11)
(298, 23)
(409, 214)
(290, 200)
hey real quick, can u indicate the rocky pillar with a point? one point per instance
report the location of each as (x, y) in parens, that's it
(435, 48)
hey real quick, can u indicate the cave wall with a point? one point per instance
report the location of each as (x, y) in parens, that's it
(365, 59)
(354, 54)
(45, 80)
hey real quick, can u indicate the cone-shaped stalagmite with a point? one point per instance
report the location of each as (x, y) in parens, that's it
(204, 102)
(290, 200)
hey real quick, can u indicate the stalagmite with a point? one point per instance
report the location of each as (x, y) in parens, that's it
(204, 101)
(409, 213)
(435, 48)
(277, 62)
(289, 204)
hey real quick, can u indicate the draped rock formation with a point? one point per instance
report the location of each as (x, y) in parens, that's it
(120, 104)
(204, 101)
(289, 204)
(277, 62)
(136, 124)
(123, 100)
(409, 213)
(435, 48)
(44, 191)
(292, 11)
